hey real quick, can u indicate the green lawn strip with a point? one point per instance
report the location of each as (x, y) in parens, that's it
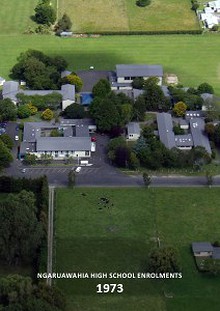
(90, 239)
(184, 55)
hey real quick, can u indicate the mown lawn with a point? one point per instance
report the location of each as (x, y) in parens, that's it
(125, 15)
(16, 16)
(194, 59)
(94, 238)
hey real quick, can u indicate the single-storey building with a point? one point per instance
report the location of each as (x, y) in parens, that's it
(204, 249)
(133, 131)
(75, 140)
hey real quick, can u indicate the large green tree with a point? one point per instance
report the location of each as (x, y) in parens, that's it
(8, 110)
(101, 89)
(5, 155)
(7, 141)
(39, 70)
(45, 13)
(165, 259)
(64, 23)
(20, 230)
(74, 111)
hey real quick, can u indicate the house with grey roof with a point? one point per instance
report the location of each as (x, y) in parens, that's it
(125, 74)
(205, 249)
(133, 131)
(74, 141)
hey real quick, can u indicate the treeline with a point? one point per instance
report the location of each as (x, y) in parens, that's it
(150, 153)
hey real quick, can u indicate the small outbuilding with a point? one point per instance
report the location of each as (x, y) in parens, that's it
(133, 131)
(202, 249)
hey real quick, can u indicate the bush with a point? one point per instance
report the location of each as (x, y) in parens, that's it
(143, 3)
(47, 115)
(23, 112)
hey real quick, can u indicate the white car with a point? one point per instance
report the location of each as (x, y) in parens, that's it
(77, 169)
(16, 137)
(23, 170)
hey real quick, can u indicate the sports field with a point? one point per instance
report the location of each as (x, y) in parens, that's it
(92, 237)
(195, 59)
(125, 15)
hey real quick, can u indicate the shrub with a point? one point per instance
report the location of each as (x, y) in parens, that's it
(47, 115)
(23, 112)
(143, 3)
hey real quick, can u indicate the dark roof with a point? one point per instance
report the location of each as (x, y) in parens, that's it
(63, 144)
(165, 129)
(184, 140)
(137, 92)
(68, 92)
(10, 89)
(65, 73)
(197, 128)
(26, 147)
(133, 128)
(125, 70)
(165, 90)
(91, 77)
(216, 253)
(198, 247)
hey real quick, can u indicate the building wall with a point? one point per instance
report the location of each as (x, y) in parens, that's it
(123, 80)
(61, 155)
(203, 254)
(66, 103)
(133, 137)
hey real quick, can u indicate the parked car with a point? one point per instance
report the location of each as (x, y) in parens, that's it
(16, 137)
(23, 170)
(77, 169)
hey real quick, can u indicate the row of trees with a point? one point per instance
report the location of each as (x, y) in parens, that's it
(51, 101)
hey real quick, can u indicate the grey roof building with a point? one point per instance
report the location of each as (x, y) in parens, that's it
(197, 127)
(199, 247)
(10, 90)
(133, 130)
(68, 92)
(165, 129)
(63, 144)
(125, 70)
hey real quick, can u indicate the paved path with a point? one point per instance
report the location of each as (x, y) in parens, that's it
(50, 234)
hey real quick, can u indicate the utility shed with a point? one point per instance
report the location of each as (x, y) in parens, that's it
(133, 130)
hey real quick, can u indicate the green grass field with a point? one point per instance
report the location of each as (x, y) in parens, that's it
(125, 15)
(90, 239)
(194, 59)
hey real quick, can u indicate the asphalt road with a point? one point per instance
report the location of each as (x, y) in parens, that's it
(100, 174)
